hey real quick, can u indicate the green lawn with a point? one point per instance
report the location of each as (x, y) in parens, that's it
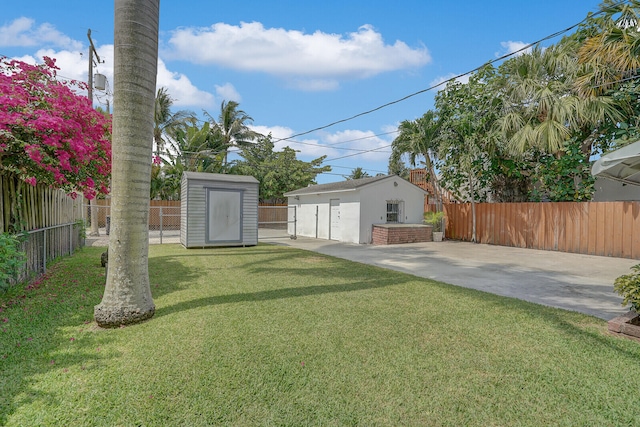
(275, 336)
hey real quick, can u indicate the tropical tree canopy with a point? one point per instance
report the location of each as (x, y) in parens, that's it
(50, 134)
(610, 47)
(419, 140)
(192, 148)
(166, 122)
(277, 171)
(357, 173)
(232, 127)
(528, 129)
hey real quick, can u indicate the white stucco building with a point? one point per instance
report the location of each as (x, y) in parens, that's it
(346, 211)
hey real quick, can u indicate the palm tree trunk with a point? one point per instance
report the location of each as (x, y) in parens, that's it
(127, 296)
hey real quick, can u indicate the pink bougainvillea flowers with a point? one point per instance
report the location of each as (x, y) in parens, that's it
(49, 133)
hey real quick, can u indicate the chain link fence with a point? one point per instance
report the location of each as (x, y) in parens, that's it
(164, 223)
(44, 245)
(277, 222)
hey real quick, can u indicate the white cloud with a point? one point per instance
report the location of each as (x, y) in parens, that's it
(372, 148)
(315, 61)
(182, 90)
(74, 65)
(361, 146)
(390, 129)
(308, 148)
(314, 85)
(451, 76)
(228, 92)
(277, 132)
(512, 47)
(72, 59)
(23, 32)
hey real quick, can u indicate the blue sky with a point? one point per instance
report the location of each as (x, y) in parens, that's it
(296, 65)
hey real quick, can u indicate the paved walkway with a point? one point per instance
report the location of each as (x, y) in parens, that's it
(582, 283)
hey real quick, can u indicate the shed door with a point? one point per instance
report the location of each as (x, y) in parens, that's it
(224, 216)
(334, 229)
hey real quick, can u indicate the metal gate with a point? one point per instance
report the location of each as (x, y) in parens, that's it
(164, 224)
(277, 222)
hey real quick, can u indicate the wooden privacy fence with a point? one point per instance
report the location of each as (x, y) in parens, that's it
(170, 219)
(50, 219)
(29, 208)
(271, 215)
(593, 228)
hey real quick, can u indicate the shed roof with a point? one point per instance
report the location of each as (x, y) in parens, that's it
(204, 176)
(349, 185)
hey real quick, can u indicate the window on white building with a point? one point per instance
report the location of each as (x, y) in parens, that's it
(394, 211)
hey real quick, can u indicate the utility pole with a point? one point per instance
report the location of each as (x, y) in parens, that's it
(92, 52)
(95, 230)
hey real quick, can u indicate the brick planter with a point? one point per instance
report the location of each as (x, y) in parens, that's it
(392, 234)
(622, 325)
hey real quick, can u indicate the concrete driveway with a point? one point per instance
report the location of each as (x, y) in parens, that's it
(582, 283)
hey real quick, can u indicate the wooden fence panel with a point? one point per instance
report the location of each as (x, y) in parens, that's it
(171, 209)
(594, 228)
(482, 221)
(25, 207)
(269, 213)
(635, 234)
(170, 218)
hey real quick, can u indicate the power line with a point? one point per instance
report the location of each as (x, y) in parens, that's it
(357, 154)
(351, 168)
(530, 45)
(333, 145)
(364, 137)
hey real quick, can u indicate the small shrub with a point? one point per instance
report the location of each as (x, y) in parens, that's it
(628, 287)
(11, 259)
(81, 226)
(434, 219)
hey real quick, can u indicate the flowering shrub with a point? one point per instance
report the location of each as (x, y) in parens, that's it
(48, 133)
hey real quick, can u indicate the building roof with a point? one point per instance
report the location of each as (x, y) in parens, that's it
(621, 165)
(349, 185)
(204, 176)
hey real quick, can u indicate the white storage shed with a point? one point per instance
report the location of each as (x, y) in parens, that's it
(346, 211)
(218, 210)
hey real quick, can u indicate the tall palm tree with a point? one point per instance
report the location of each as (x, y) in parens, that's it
(612, 53)
(541, 110)
(233, 128)
(198, 149)
(357, 173)
(419, 140)
(127, 296)
(165, 122)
